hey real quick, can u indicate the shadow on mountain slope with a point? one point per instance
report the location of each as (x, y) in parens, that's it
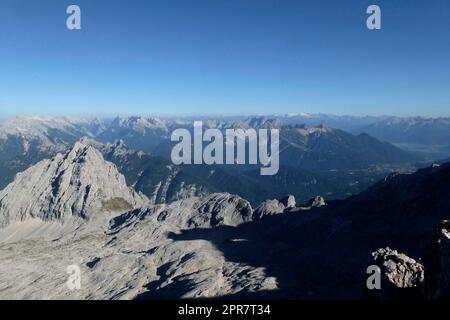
(322, 253)
(295, 248)
(175, 290)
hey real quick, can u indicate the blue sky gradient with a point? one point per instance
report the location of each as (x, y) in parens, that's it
(225, 57)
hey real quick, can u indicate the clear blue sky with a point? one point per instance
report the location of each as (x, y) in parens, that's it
(225, 56)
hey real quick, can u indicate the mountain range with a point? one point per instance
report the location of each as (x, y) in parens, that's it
(329, 161)
(76, 209)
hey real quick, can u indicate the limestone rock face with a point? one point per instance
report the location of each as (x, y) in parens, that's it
(219, 209)
(140, 255)
(401, 276)
(78, 184)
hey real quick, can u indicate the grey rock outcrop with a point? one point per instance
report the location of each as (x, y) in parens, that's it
(316, 202)
(217, 209)
(288, 201)
(220, 209)
(78, 184)
(401, 276)
(274, 206)
(269, 208)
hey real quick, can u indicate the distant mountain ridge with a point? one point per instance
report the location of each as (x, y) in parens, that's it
(411, 130)
(323, 148)
(328, 161)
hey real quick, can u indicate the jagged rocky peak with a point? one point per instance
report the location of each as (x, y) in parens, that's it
(78, 184)
(274, 206)
(401, 276)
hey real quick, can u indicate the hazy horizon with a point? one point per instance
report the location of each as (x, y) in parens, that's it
(6, 116)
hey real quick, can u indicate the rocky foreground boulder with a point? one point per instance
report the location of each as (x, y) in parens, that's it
(401, 276)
